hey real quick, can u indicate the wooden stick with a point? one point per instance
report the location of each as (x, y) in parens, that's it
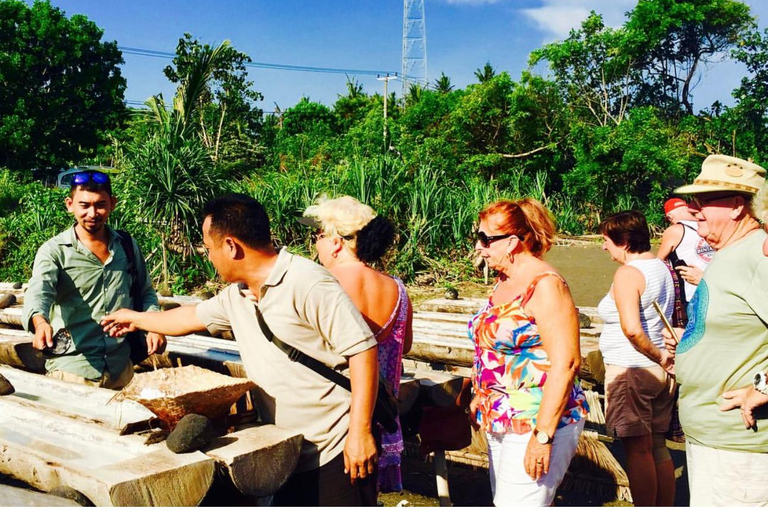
(666, 323)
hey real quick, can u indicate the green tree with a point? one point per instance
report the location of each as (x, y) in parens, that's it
(171, 174)
(443, 84)
(352, 107)
(594, 71)
(673, 39)
(229, 120)
(485, 73)
(60, 86)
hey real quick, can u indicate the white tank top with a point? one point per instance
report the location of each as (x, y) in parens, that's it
(615, 347)
(694, 250)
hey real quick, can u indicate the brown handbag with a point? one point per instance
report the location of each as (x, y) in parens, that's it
(447, 428)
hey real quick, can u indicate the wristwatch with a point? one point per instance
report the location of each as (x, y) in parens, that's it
(542, 437)
(761, 383)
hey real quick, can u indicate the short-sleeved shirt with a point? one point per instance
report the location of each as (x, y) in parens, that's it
(73, 289)
(724, 345)
(304, 306)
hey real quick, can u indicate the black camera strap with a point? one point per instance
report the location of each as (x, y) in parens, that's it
(297, 355)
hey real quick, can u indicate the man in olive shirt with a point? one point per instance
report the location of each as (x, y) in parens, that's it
(304, 306)
(79, 276)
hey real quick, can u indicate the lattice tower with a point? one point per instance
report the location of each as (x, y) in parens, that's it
(414, 70)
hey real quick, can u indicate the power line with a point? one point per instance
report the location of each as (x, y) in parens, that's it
(263, 65)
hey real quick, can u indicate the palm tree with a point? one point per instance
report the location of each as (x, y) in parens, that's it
(172, 172)
(443, 84)
(414, 94)
(485, 73)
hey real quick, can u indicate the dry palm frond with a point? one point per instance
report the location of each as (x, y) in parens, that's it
(594, 470)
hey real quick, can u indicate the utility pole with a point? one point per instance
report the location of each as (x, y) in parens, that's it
(386, 78)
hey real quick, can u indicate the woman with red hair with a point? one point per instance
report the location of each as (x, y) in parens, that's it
(528, 398)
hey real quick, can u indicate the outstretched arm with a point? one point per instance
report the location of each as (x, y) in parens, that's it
(175, 322)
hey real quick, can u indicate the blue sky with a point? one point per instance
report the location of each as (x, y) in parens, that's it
(357, 34)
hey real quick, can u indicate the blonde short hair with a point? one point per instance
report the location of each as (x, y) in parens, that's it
(761, 204)
(344, 216)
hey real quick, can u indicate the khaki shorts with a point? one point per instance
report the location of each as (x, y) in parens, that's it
(106, 380)
(638, 401)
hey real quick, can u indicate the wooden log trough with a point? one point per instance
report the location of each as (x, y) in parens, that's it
(54, 433)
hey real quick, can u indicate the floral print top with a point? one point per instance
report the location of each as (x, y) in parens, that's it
(510, 369)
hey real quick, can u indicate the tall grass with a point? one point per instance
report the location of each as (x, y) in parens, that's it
(434, 215)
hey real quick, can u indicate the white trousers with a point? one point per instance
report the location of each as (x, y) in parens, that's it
(510, 484)
(723, 478)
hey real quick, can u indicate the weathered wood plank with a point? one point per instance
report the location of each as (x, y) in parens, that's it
(84, 403)
(47, 450)
(17, 497)
(258, 459)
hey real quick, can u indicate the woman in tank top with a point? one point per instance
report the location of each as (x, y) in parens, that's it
(639, 387)
(350, 236)
(528, 399)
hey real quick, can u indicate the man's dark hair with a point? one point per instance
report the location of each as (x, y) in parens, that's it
(91, 186)
(628, 228)
(239, 216)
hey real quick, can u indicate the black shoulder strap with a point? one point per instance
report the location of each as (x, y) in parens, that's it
(127, 242)
(297, 355)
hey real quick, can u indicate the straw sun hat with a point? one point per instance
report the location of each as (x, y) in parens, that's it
(721, 173)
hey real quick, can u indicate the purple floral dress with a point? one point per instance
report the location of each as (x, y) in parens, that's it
(390, 368)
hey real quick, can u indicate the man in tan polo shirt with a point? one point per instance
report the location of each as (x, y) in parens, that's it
(306, 307)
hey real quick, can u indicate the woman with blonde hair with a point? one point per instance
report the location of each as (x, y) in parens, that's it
(349, 237)
(761, 211)
(528, 398)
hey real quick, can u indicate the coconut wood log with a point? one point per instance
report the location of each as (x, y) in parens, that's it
(17, 497)
(84, 403)
(258, 459)
(46, 450)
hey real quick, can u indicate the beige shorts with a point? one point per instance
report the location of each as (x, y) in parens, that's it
(638, 401)
(106, 380)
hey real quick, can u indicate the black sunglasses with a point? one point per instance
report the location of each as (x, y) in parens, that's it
(81, 178)
(486, 240)
(700, 202)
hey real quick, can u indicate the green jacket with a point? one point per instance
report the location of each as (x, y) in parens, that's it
(72, 289)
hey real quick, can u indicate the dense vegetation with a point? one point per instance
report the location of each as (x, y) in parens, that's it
(610, 125)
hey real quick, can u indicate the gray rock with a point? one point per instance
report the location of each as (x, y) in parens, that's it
(584, 321)
(192, 433)
(451, 293)
(6, 388)
(7, 300)
(170, 305)
(205, 295)
(71, 494)
(17, 286)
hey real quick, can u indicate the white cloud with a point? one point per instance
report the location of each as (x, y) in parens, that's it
(555, 18)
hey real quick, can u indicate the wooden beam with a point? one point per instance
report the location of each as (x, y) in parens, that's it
(84, 403)
(258, 459)
(17, 497)
(47, 450)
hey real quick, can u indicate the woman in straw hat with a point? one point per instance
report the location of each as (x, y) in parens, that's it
(349, 237)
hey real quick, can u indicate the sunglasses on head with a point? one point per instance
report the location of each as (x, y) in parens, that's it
(81, 178)
(486, 240)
